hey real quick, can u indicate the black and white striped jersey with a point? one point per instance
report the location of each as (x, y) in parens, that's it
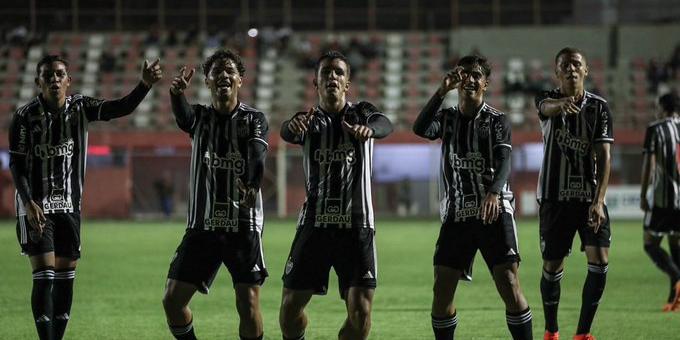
(568, 171)
(661, 140)
(54, 146)
(337, 169)
(468, 167)
(219, 156)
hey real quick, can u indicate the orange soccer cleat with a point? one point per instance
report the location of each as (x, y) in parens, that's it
(584, 337)
(551, 336)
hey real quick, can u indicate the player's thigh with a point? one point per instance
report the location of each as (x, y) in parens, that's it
(294, 300)
(244, 258)
(557, 227)
(197, 259)
(456, 247)
(66, 235)
(308, 264)
(498, 242)
(354, 259)
(661, 222)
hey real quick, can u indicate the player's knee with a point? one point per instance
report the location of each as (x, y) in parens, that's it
(171, 302)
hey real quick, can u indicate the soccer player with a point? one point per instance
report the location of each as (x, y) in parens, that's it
(476, 201)
(336, 227)
(577, 135)
(225, 219)
(48, 152)
(662, 212)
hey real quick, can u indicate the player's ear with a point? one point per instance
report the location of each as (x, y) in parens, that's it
(316, 84)
(37, 81)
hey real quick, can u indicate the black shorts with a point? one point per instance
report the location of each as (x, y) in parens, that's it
(201, 252)
(559, 221)
(458, 243)
(61, 235)
(351, 252)
(662, 221)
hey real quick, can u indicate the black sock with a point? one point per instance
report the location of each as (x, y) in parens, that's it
(519, 324)
(301, 337)
(185, 332)
(663, 261)
(62, 296)
(41, 302)
(444, 327)
(550, 294)
(592, 292)
(256, 338)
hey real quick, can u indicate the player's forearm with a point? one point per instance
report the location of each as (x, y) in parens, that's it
(257, 154)
(424, 121)
(182, 110)
(646, 170)
(17, 166)
(124, 106)
(381, 126)
(502, 164)
(603, 170)
(551, 107)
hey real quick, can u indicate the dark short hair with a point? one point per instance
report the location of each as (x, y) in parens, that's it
(224, 55)
(49, 59)
(568, 50)
(669, 102)
(330, 55)
(476, 59)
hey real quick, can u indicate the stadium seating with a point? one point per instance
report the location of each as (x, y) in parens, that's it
(399, 78)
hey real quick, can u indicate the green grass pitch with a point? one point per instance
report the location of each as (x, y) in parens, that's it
(120, 280)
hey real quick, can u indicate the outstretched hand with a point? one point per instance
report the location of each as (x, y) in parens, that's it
(300, 123)
(181, 81)
(360, 132)
(569, 106)
(151, 73)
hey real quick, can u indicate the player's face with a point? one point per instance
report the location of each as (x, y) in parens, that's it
(473, 82)
(53, 80)
(332, 79)
(223, 80)
(571, 69)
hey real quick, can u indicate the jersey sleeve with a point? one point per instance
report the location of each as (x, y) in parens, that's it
(604, 130)
(19, 135)
(259, 128)
(502, 133)
(538, 100)
(92, 108)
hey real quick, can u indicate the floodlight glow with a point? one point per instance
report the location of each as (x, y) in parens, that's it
(252, 32)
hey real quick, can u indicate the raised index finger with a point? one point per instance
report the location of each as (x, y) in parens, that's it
(155, 62)
(188, 77)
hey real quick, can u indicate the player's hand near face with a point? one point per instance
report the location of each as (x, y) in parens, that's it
(181, 81)
(490, 208)
(596, 216)
(451, 81)
(36, 217)
(361, 132)
(569, 106)
(300, 123)
(151, 73)
(248, 195)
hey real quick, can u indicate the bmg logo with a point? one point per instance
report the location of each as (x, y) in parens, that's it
(45, 151)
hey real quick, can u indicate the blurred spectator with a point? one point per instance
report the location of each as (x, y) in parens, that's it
(18, 35)
(165, 191)
(656, 73)
(171, 39)
(674, 63)
(153, 36)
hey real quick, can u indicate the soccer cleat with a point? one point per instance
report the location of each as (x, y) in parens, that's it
(676, 301)
(584, 337)
(551, 336)
(667, 307)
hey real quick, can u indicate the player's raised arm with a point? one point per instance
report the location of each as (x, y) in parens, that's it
(184, 113)
(110, 109)
(425, 125)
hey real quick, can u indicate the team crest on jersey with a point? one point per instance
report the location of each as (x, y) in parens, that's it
(36, 129)
(483, 129)
(242, 127)
(499, 133)
(289, 266)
